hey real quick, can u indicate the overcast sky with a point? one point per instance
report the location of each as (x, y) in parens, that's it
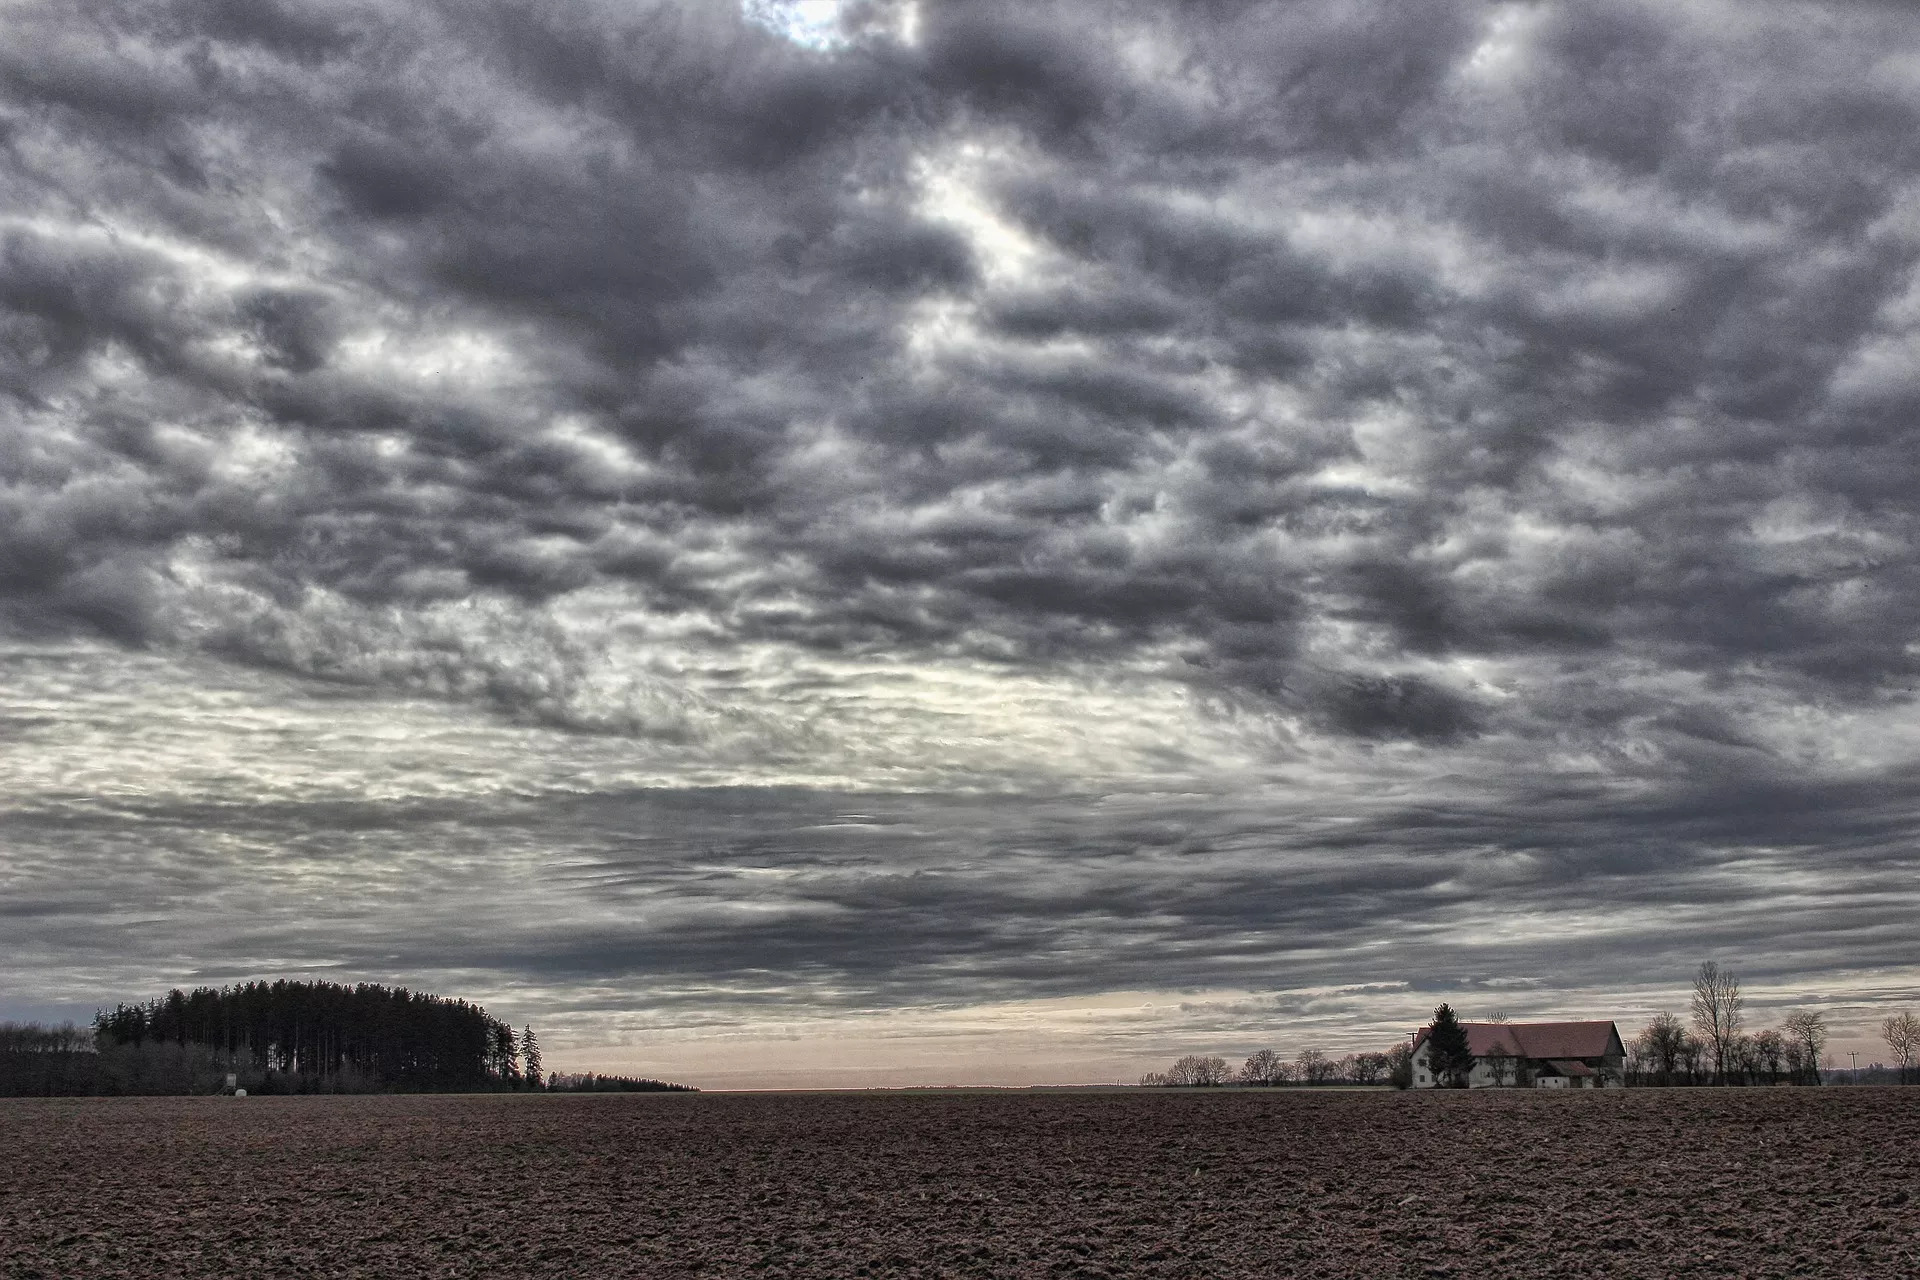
(957, 540)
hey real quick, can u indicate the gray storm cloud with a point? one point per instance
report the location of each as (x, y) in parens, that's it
(1443, 472)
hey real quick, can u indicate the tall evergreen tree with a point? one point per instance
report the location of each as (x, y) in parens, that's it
(530, 1055)
(1447, 1050)
(505, 1055)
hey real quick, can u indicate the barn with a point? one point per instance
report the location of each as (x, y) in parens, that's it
(1534, 1055)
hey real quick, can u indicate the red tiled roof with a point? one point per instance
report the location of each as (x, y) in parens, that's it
(1535, 1039)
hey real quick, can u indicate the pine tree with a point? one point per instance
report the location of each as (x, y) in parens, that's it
(530, 1055)
(505, 1056)
(1447, 1050)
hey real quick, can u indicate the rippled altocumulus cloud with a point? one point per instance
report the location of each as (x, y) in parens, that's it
(1268, 497)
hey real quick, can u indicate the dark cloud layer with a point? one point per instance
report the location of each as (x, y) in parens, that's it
(1510, 406)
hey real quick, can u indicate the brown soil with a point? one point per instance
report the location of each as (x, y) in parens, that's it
(1743, 1182)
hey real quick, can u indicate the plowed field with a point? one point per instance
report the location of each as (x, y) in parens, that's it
(1742, 1182)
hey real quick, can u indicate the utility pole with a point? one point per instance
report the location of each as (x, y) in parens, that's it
(1855, 1055)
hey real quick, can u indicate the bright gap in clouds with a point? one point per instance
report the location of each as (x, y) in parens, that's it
(814, 23)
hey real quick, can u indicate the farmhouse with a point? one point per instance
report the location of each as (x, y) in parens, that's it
(1534, 1055)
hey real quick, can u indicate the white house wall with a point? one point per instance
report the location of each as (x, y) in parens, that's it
(1481, 1077)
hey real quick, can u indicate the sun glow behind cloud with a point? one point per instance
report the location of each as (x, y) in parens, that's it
(813, 23)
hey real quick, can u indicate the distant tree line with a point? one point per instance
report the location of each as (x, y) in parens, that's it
(589, 1082)
(1868, 1073)
(278, 1037)
(38, 1061)
(1714, 1047)
(67, 1060)
(1267, 1069)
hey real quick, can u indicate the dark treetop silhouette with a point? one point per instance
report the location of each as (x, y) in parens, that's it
(390, 1036)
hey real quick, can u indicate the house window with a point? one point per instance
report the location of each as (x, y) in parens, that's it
(1423, 1077)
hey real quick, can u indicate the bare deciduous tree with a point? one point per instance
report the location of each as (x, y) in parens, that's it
(1769, 1053)
(1692, 1052)
(1717, 1003)
(1262, 1068)
(31, 1037)
(1501, 1064)
(1400, 1066)
(1743, 1062)
(1902, 1034)
(1194, 1069)
(1659, 1048)
(1808, 1032)
(1794, 1061)
(1369, 1068)
(1313, 1067)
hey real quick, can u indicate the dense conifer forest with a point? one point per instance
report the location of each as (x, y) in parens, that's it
(278, 1037)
